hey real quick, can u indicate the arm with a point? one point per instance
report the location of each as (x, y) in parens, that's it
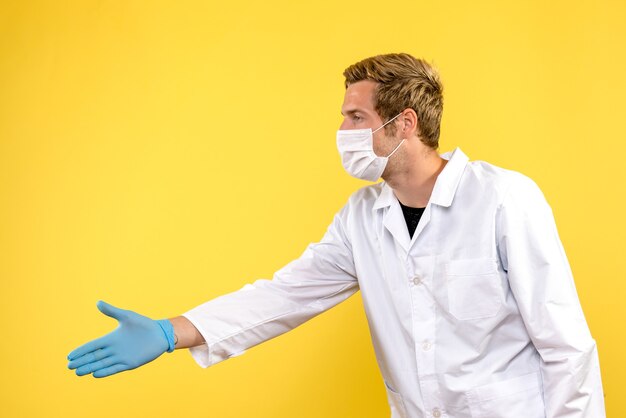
(541, 281)
(323, 276)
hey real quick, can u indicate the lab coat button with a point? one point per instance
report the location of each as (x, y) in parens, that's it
(436, 412)
(417, 280)
(426, 345)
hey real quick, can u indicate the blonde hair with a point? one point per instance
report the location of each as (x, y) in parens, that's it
(403, 82)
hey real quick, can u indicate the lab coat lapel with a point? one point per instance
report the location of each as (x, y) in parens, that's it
(396, 225)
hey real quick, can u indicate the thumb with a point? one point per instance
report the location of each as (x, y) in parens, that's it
(110, 310)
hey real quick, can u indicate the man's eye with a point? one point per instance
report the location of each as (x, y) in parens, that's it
(357, 118)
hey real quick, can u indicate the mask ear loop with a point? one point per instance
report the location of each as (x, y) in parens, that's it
(384, 124)
(396, 148)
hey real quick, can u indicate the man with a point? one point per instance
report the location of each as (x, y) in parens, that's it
(467, 290)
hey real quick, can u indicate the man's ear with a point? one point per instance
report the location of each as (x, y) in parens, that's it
(410, 124)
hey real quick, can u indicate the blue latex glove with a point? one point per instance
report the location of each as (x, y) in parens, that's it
(136, 341)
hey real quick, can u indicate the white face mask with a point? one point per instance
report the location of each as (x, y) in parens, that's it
(356, 147)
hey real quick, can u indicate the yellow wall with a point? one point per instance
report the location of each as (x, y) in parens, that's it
(158, 154)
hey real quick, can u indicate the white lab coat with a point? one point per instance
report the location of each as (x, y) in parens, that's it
(476, 316)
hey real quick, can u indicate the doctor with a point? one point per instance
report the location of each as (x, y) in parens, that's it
(468, 292)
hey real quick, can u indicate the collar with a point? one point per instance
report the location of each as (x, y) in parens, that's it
(445, 185)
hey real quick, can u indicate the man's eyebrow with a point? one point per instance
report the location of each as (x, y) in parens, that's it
(351, 111)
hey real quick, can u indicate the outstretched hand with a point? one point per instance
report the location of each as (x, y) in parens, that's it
(136, 341)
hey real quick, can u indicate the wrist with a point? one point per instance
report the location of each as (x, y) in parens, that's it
(186, 332)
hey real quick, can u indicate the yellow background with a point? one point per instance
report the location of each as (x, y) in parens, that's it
(158, 154)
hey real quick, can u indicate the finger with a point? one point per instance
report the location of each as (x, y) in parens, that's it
(97, 365)
(108, 371)
(90, 358)
(110, 310)
(94, 345)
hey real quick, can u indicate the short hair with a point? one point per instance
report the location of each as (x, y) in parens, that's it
(403, 82)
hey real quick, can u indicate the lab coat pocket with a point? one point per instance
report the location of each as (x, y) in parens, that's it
(512, 398)
(474, 289)
(396, 403)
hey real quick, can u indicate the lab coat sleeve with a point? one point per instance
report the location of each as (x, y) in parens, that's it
(541, 281)
(323, 276)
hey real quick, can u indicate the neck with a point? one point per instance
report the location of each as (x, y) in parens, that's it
(414, 183)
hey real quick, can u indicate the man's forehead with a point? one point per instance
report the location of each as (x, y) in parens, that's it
(359, 96)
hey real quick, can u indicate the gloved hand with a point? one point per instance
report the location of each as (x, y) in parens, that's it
(136, 341)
